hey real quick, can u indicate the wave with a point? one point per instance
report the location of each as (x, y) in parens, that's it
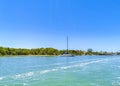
(57, 64)
(53, 64)
(55, 69)
(1, 78)
(116, 83)
(36, 73)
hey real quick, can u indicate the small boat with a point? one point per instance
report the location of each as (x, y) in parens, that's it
(67, 53)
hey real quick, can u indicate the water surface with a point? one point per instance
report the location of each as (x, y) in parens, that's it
(60, 71)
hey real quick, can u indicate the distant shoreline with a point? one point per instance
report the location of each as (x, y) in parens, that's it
(6, 51)
(53, 55)
(29, 55)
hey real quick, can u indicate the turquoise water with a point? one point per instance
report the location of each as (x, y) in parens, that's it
(60, 71)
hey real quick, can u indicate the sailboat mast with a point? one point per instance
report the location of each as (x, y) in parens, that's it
(67, 44)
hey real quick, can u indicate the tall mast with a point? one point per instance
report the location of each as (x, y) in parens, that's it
(67, 44)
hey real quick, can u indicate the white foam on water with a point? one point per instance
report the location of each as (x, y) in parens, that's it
(116, 83)
(24, 84)
(60, 63)
(68, 67)
(36, 73)
(53, 64)
(1, 78)
(18, 76)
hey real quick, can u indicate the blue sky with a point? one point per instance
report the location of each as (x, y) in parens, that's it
(46, 23)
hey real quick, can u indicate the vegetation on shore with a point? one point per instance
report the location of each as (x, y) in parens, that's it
(48, 51)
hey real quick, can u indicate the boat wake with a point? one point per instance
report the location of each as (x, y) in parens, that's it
(32, 74)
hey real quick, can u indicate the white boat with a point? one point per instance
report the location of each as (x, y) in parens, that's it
(67, 53)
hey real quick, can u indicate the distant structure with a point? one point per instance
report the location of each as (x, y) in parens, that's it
(67, 53)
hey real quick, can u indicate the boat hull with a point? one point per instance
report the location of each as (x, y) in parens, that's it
(67, 55)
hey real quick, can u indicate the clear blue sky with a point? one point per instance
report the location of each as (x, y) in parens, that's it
(46, 23)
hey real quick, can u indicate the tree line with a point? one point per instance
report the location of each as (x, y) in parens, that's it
(48, 51)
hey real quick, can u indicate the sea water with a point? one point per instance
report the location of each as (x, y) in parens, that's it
(60, 71)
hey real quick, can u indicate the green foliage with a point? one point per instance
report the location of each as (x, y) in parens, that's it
(47, 51)
(37, 51)
(90, 50)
